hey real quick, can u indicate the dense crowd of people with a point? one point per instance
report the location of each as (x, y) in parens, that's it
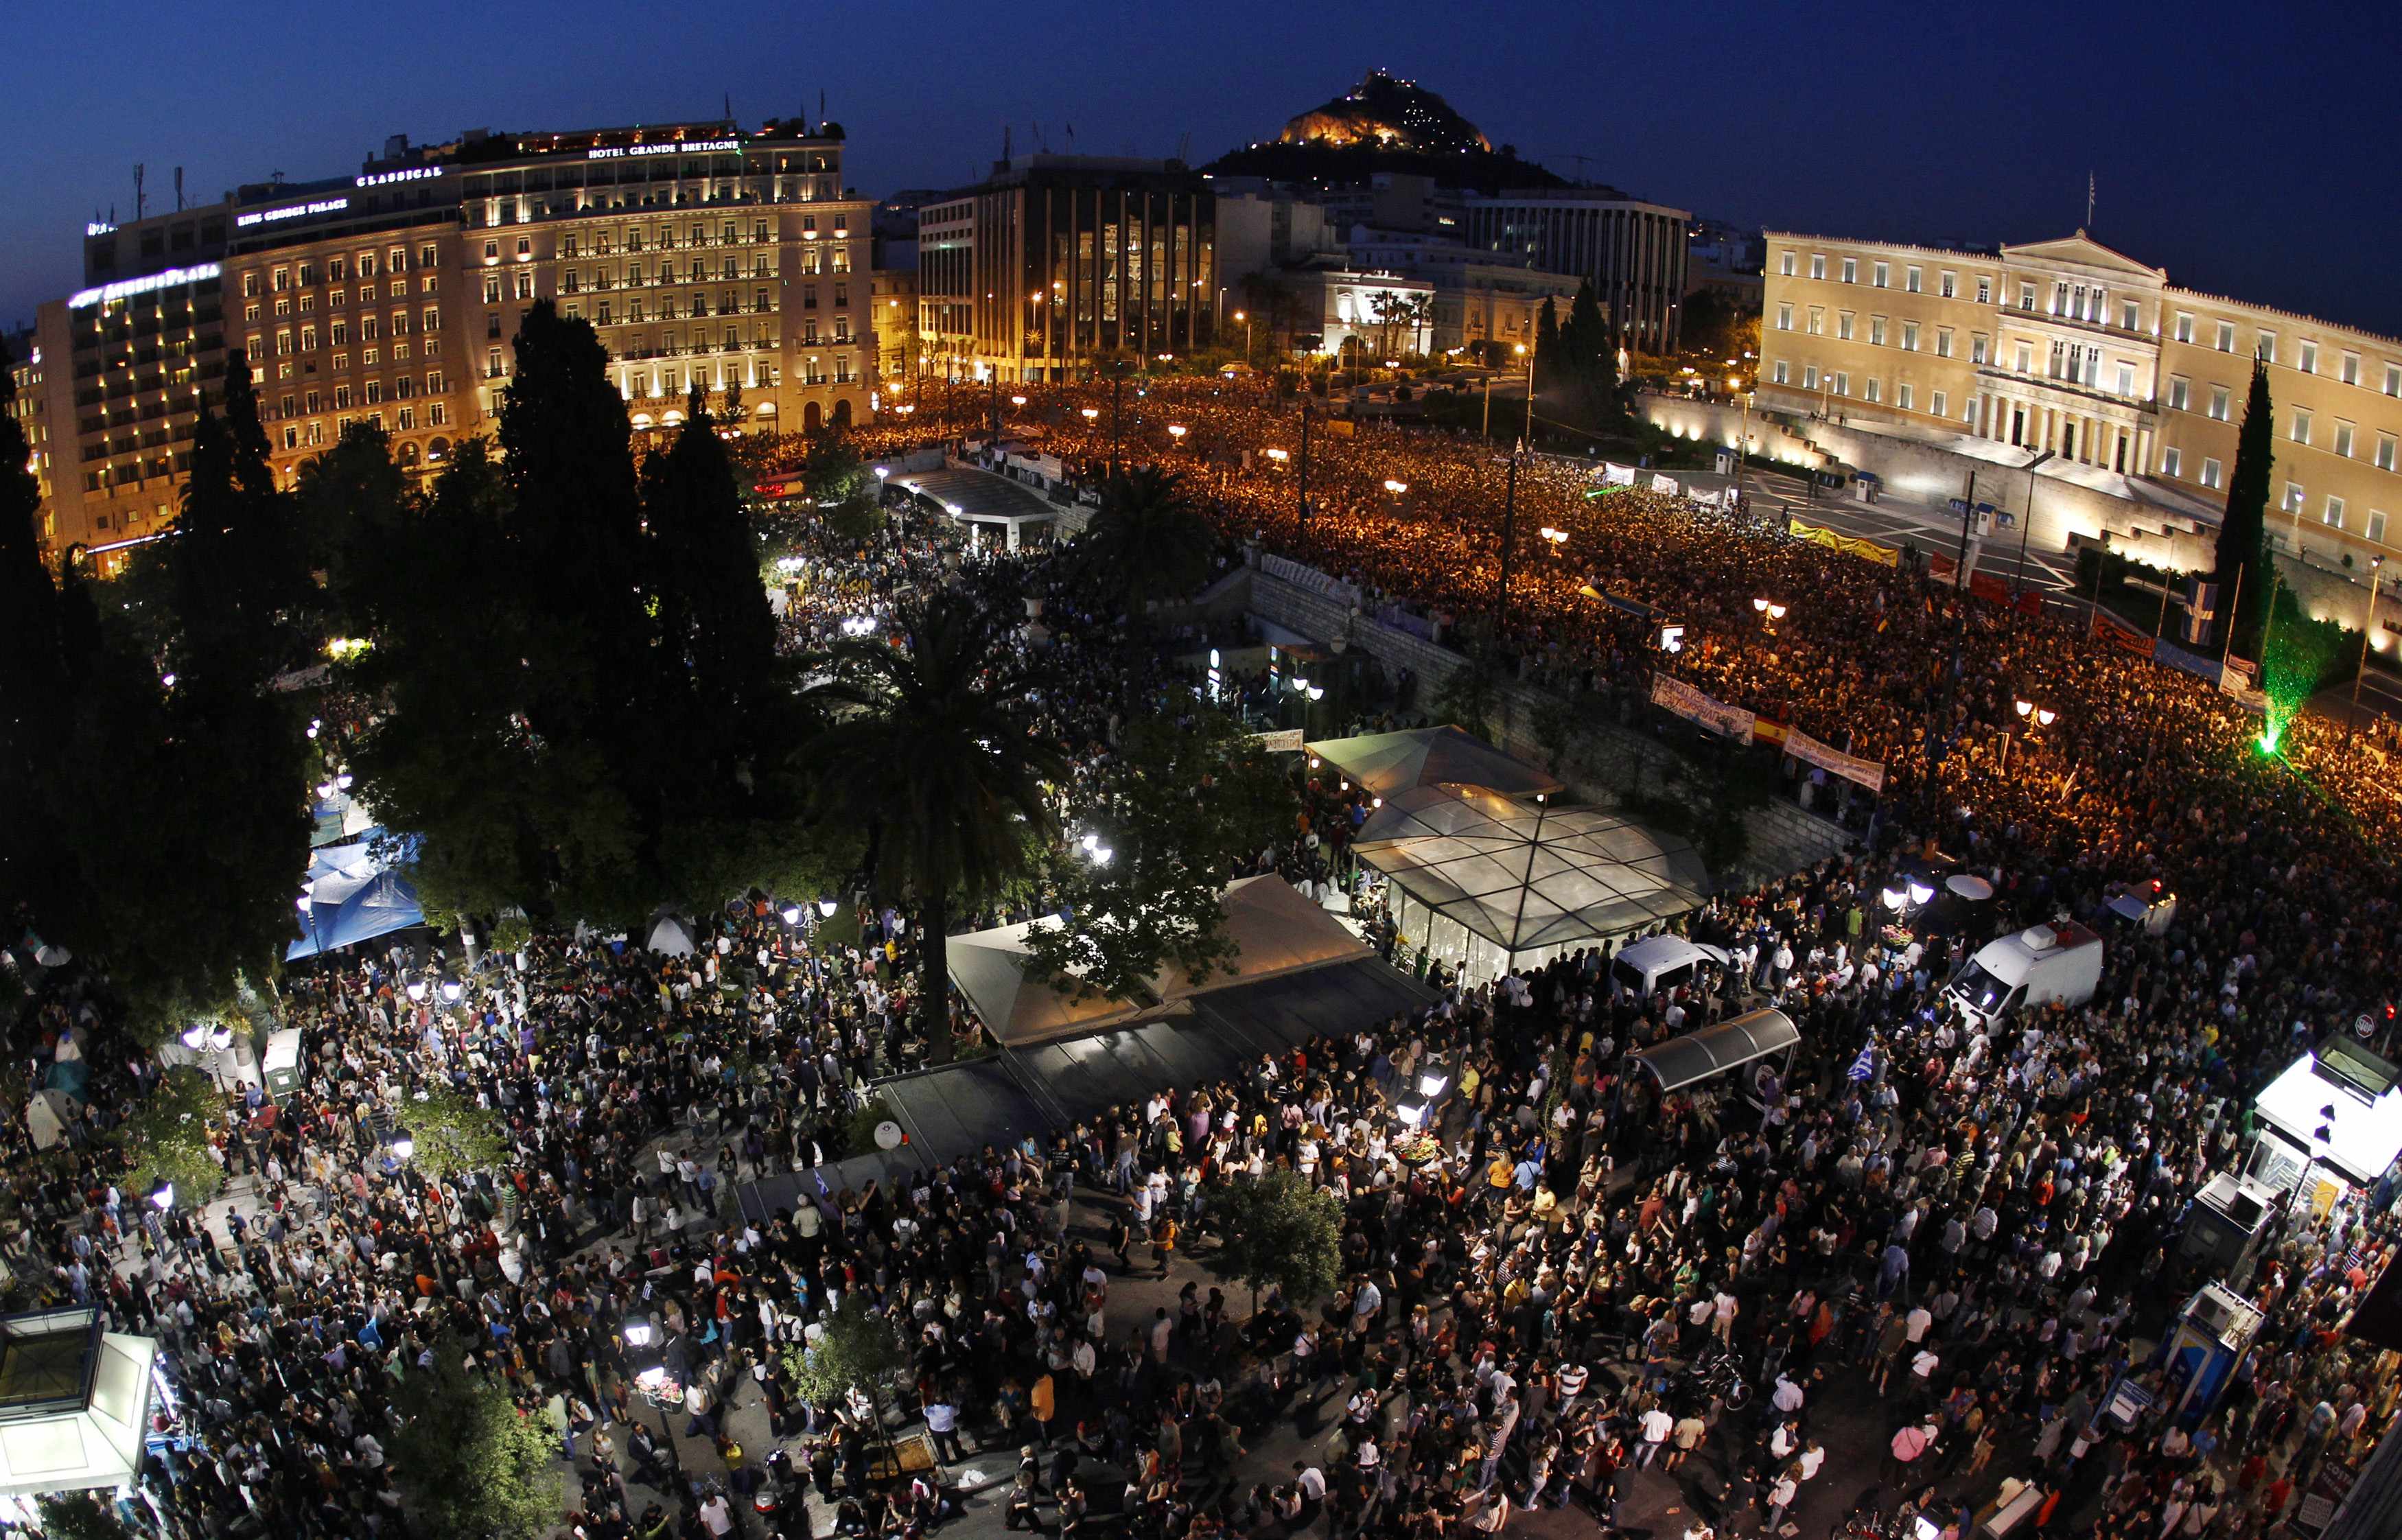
(1559, 1278)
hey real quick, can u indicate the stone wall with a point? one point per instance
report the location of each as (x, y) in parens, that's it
(1925, 472)
(1784, 838)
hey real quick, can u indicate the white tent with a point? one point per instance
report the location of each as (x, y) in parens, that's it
(670, 935)
(1275, 929)
(75, 1402)
(1490, 884)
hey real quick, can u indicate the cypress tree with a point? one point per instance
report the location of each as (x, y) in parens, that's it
(2242, 547)
(716, 631)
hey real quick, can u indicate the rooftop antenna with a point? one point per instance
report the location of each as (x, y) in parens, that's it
(1004, 143)
(1071, 138)
(730, 109)
(179, 189)
(1041, 144)
(137, 192)
(821, 117)
(2089, 200)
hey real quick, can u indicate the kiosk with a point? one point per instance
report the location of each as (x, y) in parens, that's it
(2200, 1354)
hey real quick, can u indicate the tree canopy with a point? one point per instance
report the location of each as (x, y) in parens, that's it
(1279, 1232)
(2242, 549)
(469, 1464)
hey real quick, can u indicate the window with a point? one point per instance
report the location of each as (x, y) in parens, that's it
(1910, 281)
(2226, 337)
(2376, 527)
(1944, 342)
(1977, 350)
(2293, 497)
(2176, 392)
(1901, 397)
(2219, 403)
(2210, 474)
(2333, 517)
(1817, 321)
(1817, 266)
(2025, 358)
(492, 289)
(2267, 351)
(491, 363)
(1881, 275)
(1873, 388)
(1910, 337)
(1784, 318)
(436, 414)
(1843, 326)
(1809, 376)
(2126, 380)
(308, 339)
(2026, 294)
(2170, 458)
(2385, 451)
(2309, 361)
(1984, 289)
(2343, 439)
(1850, 270)
(1940, 405)
(2301, 433)
(283, 278)
(1842, 382)
(1780, 375)
(1949, 285)
(1784, 265)
(525, 285)
(2130, 315)
(525, 248)
(1876, 330)
(250, 286)
(374, 391)
(2349, 369)
(2184, 327)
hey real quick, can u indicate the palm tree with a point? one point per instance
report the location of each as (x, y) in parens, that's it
(928, 752)
(1147, 539)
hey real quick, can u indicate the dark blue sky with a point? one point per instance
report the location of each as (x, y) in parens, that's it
(2243, 147)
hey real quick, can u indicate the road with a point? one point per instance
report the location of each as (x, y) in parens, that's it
(1890, 521)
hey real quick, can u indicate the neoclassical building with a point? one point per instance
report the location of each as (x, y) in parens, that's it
(2070, 347)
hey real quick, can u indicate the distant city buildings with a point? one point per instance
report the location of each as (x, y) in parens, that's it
(707, 256)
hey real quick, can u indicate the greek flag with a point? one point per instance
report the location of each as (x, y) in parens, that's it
(1864, 1067)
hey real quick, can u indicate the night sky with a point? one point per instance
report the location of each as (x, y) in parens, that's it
(2242, 147)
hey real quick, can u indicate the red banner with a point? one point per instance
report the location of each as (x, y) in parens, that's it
(2111, 629)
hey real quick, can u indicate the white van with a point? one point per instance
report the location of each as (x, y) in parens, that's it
(2041, 964)
(1644, 968)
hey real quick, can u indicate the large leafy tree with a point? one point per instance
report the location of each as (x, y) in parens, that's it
(1146, 540)
(1277, 1232)
(1179, 809)
(929, 751)
(33, 698)
(1586, 367)
(469, 1464)
(506, 809)
(2242, 549)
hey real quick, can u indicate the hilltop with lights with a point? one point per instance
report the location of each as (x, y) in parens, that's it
(1384, 124)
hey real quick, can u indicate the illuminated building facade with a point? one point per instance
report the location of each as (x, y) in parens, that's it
(1060, 262)
(2069, 347)
(705, 255)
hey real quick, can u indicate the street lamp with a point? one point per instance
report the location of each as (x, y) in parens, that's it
(451, 990)
(1768, 608)
(162, 1197)
(195, 1034)
(1017, 400)
(1279, 455)
(2044, 715)
(2367, 629)
(415, 989)
(401, 1142)
(825, 909)
(1090, 414)
(1177, 432)
(1554, 538)
(1396, 488)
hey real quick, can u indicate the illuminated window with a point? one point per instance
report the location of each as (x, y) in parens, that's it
(2218, 402)
(2301, 431)
(2210, 474)
(1909, 279)
(2309, 361)
(1881, 275)
(1901, 396)
(2170, 458)
(1784, 318)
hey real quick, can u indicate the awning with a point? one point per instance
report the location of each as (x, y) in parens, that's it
(1275, 929)
(1390, 762)
(350, 895)
(1733, 1043)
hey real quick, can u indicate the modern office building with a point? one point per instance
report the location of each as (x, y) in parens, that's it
(706, 254)
(1631, 252)
(2069, 347)
(1059, 262)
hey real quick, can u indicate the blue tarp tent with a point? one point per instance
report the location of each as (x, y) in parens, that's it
(351, 896)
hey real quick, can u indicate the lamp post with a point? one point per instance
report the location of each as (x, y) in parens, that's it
(2026, 530)
(652, 1377)
(2042, 716)
(2367, 629)
(1769, 612)
(1304, 460)
(1529, 434)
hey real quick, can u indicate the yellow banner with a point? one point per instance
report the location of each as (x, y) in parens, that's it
(1834, 540)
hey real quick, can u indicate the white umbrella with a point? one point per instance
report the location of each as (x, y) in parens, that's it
(1975, 890)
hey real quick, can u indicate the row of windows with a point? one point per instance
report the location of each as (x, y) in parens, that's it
(316, 432)
(337, 299)
(305, 274)
(1881, 276)
(341, 398)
